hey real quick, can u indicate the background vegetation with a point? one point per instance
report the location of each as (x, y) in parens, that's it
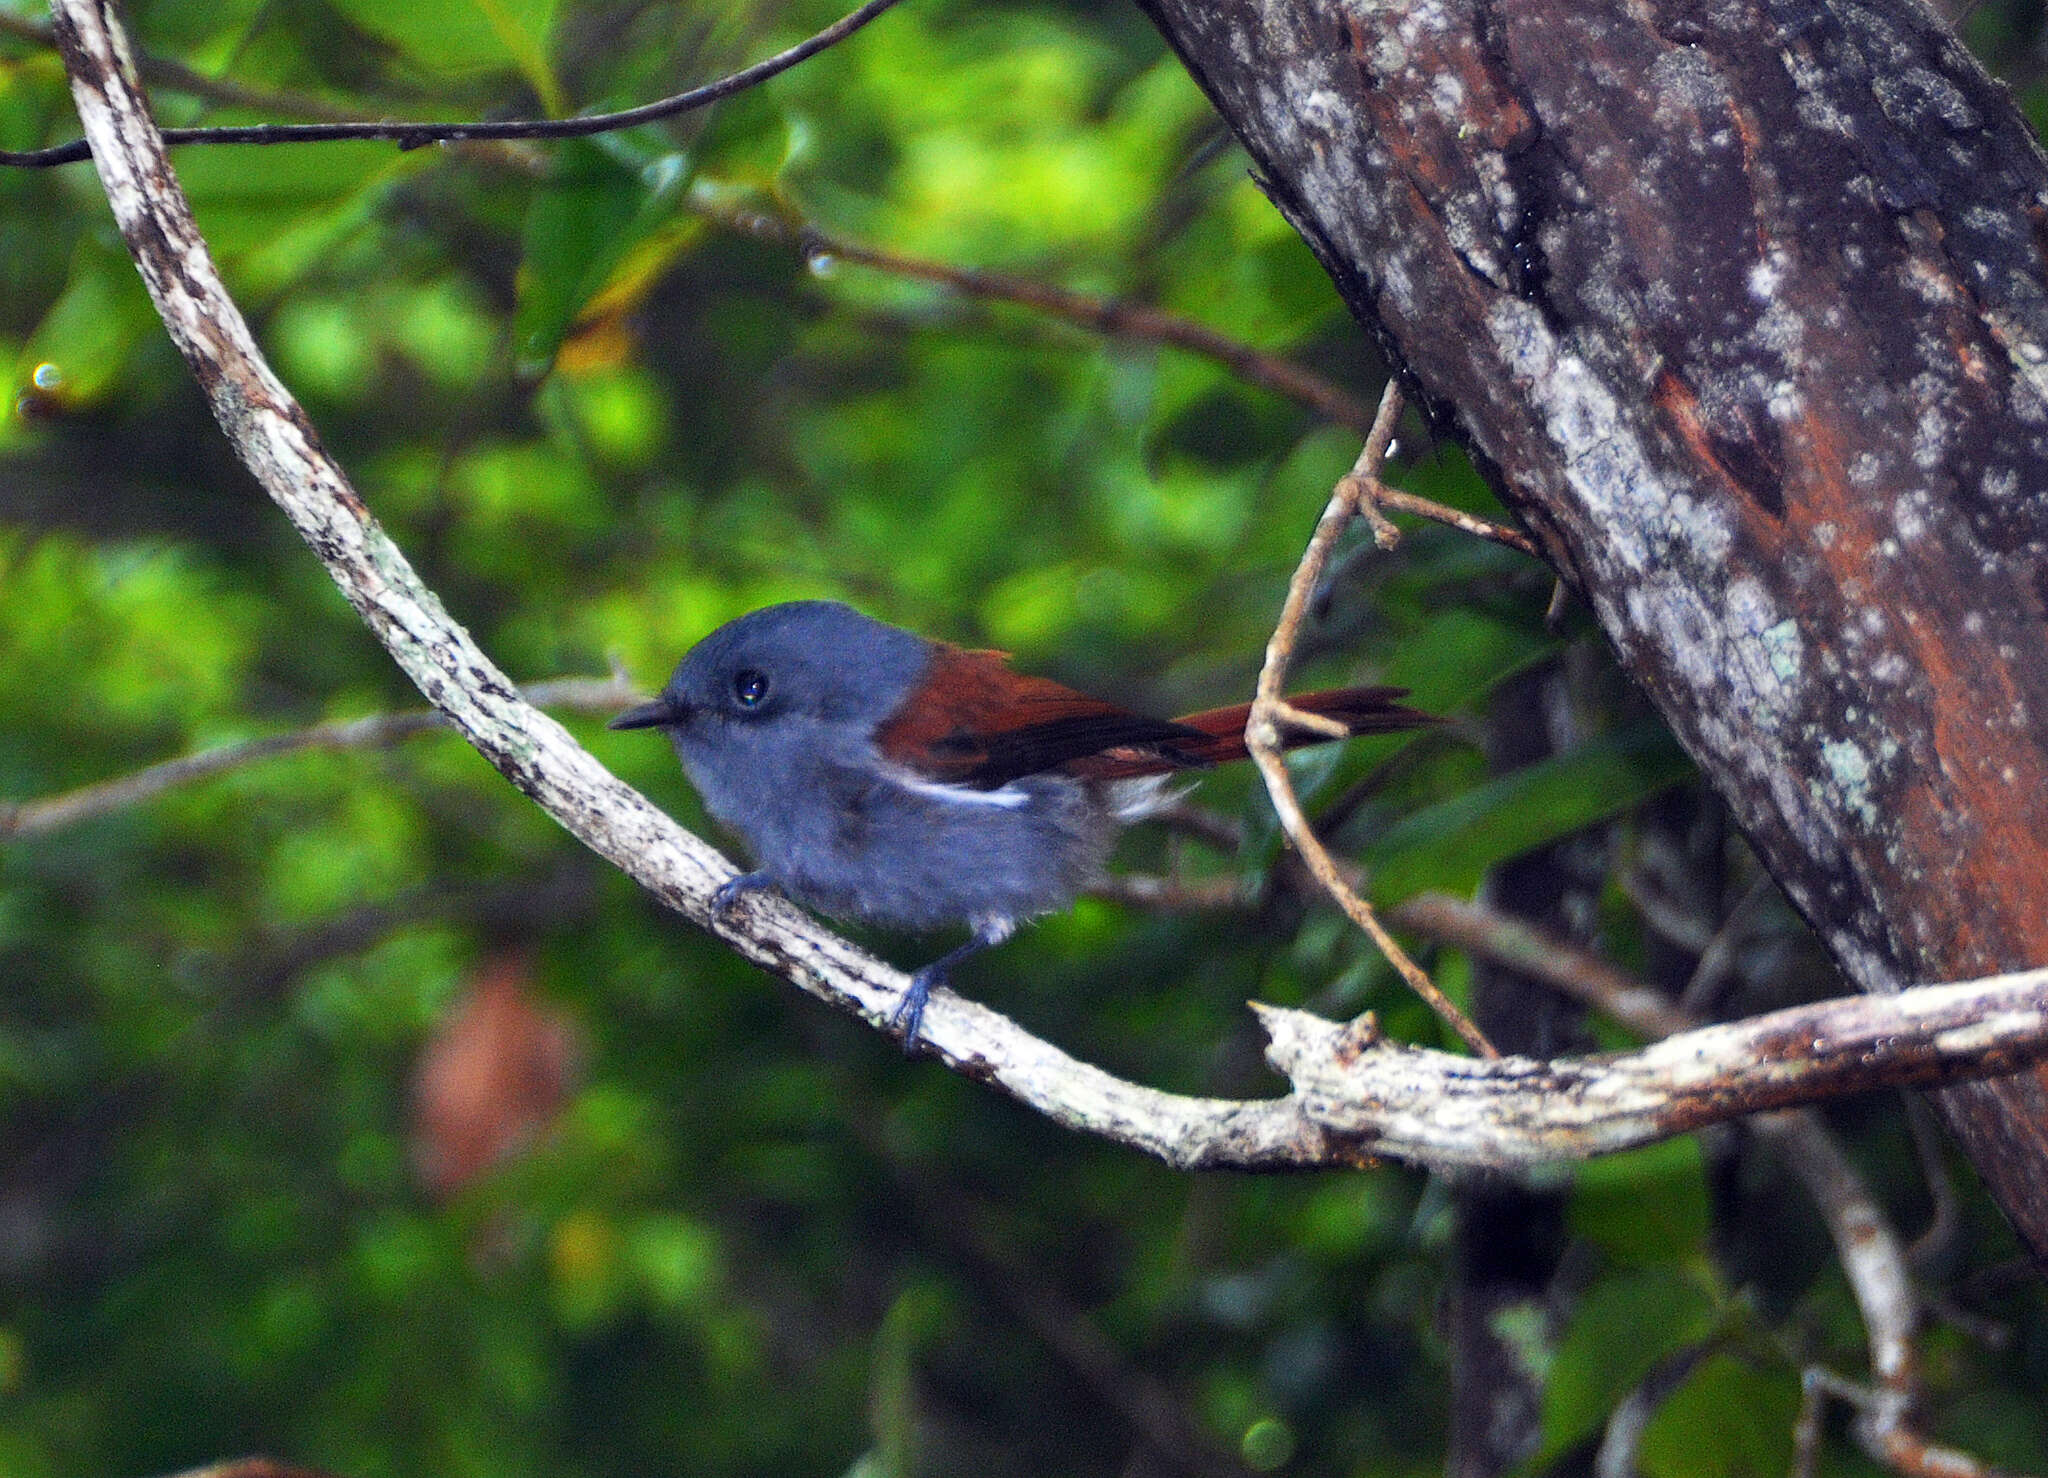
(602, 418)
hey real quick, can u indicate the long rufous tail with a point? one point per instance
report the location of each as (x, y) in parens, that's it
(1360, 710)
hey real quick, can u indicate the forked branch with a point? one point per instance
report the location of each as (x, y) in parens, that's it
(1353, 497)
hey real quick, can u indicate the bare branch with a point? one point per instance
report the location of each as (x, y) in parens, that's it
(1876, 1268)
(1621, 1442)
(419, 134)
(1456, 518)
(1511, 1111)
(1113, 317)
(1945, 1227)
(1269, 710)
(1557, 963)
(1110, 316)
(54, 813)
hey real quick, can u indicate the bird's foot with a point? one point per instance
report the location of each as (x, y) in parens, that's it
(908, 1017)
(732, 890)
(909, 1013)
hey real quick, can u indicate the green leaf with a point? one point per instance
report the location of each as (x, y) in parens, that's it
(1449, 845)
(271, 214)
(1622, 1327)
(600, 203)
(81, 347)
(1463, 653)
(1646, 1205)
(1729, 1420)
(467, 36)
(915, 1320)
(748, 140)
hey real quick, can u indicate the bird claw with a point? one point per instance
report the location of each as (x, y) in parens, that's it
(732, 890)
(908, 1017)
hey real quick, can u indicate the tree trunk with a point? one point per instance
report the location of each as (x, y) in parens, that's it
(1742, 309)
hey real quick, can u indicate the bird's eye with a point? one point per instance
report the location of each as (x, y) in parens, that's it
(749, 687)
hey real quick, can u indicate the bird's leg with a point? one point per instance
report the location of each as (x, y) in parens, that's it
(732, 890)
(908, 1016)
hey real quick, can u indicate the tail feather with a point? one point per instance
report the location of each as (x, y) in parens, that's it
(1360, 710)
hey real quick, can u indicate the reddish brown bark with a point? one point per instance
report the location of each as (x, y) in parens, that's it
(1742, 308)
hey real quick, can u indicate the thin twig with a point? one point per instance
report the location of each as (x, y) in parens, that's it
(1946, 1224)
(1111, 316)
(1457, 518)
(1270, 710)
(1807, 1429)
(1171, 894)
(1553, 612)
(1876, 1267)
(1563, 966)
(1665, 918)
(1621, 1442)
(88, 802)
(417, 135)
(1717, 960)
(1118, 319)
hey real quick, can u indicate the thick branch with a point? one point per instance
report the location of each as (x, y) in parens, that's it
(1515, 1111)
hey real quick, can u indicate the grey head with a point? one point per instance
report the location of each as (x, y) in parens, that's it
(809, 661)
(818, 656)
(767, 704)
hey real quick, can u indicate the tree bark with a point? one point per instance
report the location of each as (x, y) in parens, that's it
(1741, 307)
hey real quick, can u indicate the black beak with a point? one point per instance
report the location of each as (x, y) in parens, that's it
(648, 715)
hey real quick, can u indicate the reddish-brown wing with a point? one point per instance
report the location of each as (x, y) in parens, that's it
(1360, 710)
(975, 722)
(972, 721)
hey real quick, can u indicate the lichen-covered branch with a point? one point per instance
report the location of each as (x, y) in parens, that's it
(1368, 1092)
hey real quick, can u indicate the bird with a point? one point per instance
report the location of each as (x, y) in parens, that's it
(874, 774)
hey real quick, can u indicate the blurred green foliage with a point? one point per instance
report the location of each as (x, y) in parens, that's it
(756, 1241)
